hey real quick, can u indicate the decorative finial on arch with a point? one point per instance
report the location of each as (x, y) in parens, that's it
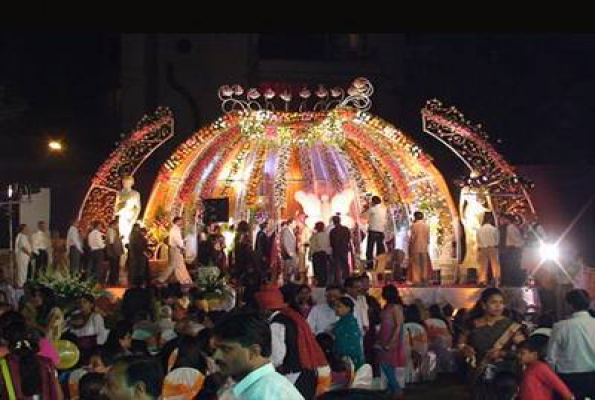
(235, 98)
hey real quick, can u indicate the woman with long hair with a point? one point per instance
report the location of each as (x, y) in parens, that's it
(391, 340)
(488, 344)
(25, 374)
(302, 300)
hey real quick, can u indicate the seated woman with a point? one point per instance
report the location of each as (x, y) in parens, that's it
(440, 338)
(88, 326)
(416, 344)
(348, 339)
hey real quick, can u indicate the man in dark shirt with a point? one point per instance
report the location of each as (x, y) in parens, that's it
(340, 238)
(263, 250)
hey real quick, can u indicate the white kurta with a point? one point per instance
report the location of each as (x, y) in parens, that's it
(23, 256)
(176, 263)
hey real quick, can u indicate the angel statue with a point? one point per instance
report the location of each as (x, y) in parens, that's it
(322, 208)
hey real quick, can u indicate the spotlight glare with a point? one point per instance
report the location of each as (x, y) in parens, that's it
(549, 251)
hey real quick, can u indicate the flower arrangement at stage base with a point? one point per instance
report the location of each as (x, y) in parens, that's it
(212, 282)
(67, 286)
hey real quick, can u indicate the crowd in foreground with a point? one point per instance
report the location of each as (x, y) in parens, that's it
(277, 343)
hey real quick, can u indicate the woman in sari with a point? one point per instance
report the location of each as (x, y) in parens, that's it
(348, 339)
(487, 346)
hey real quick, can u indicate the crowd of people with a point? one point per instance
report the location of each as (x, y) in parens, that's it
(277, 342)
(163, 340)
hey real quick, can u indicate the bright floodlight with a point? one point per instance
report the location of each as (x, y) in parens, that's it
(549, 251)
(55, 145)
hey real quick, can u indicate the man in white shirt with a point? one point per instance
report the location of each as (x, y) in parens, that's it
(243, 350)
(40, 242)
(353, 289)
(74, 246)
(22, 248)
(322, 316)
(377, 218)
(511, 252)
(176, 262)
(487, 245)
(97, 247)
(571, 348)
(288, 242)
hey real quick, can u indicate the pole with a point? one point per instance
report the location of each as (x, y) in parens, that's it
(11, 252)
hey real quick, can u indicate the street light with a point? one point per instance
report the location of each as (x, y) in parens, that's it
(55, 145)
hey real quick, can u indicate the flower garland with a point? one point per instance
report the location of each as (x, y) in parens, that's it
(386, 166)
(235, 167)
(328, 160)
(208, 187)
(306, 167)
(223, 141)
(353, 173)
(256, 176)
(372, 164)
(280, 187)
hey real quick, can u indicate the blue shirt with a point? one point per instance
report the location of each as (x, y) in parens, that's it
(571, 348)
(265, 383)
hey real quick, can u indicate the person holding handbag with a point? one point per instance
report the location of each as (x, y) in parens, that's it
(487, 346)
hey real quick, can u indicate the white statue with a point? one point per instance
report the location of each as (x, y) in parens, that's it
(128, 207)
(472, 210)
(321, 209)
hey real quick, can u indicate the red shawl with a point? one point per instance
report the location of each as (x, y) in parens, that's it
(310, 353)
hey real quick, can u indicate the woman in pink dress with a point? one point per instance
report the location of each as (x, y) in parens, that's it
(391, 342)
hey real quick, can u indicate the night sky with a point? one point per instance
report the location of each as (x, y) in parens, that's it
(533, 91)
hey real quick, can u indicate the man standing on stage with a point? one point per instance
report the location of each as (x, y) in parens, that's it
(376, 214)
(288, 242)
(340, 238)
(419, 257)
(40, 242)
(74, 246)
(97, 246)
(511, 252)
(176, 262)
(487, 244)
